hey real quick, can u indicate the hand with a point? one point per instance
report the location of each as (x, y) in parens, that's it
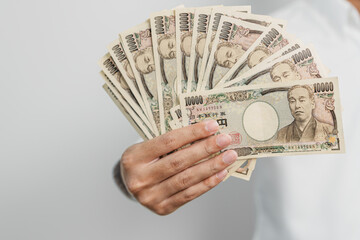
(164, 184)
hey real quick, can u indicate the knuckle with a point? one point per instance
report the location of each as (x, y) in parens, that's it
(184, 180)
(189, 196)
(146, 199)
(162, 209)
(176, 164)
(135, 186)
(209, 183)
(196, 131)
(169, 141)
(209, 147)
(127, 159)
(213, 167)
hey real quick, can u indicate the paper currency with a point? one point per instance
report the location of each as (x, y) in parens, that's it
(109, 68)
(176, 114)
(276, 119)
(138, 48)
(163, 28)
(266, 89)
(233, 38)
(215, 17)
(118, 55)
(300, 64)
(201, 26)
(138, 123)
(184, 32)
(273, 39)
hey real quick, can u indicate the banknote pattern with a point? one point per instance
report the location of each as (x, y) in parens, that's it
(266, 89)
(215, 18)
(201, 26)
(184, 32)
(285, 118)
(163, 27)
(233, 38)
(118, 55)
(300, 64)
(136, 121)
(270, 41)
(138, 47)
(110, 69)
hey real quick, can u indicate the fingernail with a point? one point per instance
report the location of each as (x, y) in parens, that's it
(211, 126)
(229, 157)
(223, 140)
(221, 175)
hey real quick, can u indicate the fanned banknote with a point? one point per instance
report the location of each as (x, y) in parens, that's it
(163, 28)
(233, 38)
(215, 17)
(126, 109)
(201, 26)
(275, 119)
(265, 87)
(300, 64)
(138, 48)
(273, 39)
(117, 53)
(109, 68)
(184, 32)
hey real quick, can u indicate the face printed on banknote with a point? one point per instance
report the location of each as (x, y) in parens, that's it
(138, 48)
(215, 17)
(118, 55)
(184, 32)
(109, 68)
(201, 26)
(270, 41)
(163, 28)
(232, 40)
(300, 64)
(273, 119)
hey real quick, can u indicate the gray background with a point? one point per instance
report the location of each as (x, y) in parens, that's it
(60, 134)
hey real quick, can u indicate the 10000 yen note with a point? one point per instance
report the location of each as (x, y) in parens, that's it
(138, 48)
(300, 64)
(211, 78)
(201, 26)
(125, 108)
(164, 42)
(184, 31)
(270, 41)
(275, 119)
(233, 38)
(109, 68)
(117, 53)
(215, 17)
(293, 46)
(176, 114)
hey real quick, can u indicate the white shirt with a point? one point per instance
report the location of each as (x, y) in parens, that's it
(318, 196)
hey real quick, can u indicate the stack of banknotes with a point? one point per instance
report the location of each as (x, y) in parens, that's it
(267, 89)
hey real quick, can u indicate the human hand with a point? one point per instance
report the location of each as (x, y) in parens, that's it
(163, 184)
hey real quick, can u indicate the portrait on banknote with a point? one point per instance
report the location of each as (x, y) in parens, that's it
(305, 126)
(257, 56)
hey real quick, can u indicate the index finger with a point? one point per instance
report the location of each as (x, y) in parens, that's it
(175, 139)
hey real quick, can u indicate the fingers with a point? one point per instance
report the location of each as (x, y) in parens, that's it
(185, 158)
(175, 139)
(174, 202)
(195, 174)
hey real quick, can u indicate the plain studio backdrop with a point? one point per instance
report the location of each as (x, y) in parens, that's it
(60, 134)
